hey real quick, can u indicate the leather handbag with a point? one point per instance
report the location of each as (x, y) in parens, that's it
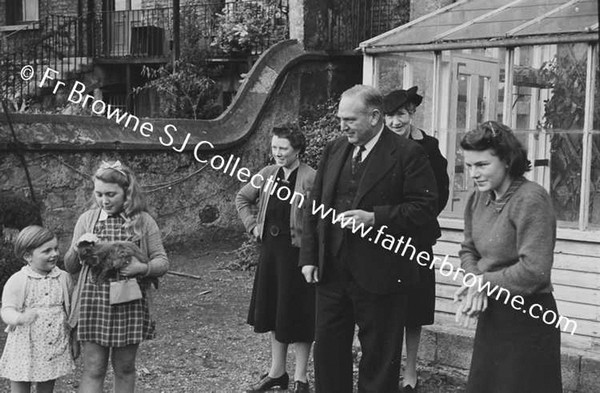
(124, 291)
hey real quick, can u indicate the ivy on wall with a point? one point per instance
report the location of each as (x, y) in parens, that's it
(320, 126)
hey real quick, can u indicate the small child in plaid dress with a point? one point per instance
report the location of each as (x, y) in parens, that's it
(106, 329)
(35, 303)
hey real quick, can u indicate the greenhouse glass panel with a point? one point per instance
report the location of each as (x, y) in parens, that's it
(403, 71)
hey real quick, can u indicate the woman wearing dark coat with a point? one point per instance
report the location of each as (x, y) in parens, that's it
(399, 107)
(271, 207)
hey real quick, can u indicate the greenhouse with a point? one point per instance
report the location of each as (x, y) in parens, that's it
(533, 65)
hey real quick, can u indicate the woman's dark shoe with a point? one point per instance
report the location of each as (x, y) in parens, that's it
(267, 383)
(301, 387)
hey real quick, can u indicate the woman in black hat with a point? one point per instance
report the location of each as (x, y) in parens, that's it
(399, 107)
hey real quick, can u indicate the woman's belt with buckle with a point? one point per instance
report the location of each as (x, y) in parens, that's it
(274, 230)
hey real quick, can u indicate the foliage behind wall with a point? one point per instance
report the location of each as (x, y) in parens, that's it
(564, 112)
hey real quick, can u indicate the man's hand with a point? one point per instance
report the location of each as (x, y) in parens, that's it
(311, 274)
(359, 217)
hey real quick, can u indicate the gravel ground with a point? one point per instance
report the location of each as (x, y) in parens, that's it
(203, 343)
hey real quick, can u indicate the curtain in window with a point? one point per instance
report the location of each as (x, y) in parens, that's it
(30, 10)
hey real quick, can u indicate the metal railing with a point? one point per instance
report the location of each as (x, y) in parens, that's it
(56, 41)
(149, 33)
(349, 22)
(66, 43)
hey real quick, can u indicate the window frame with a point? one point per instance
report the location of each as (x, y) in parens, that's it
(584, 230)
(29, 10)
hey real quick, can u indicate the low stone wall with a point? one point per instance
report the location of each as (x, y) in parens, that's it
(453, 347)
(188, 201)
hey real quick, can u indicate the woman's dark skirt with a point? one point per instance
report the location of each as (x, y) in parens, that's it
(282, 301)
(514, 352)
(421, 301)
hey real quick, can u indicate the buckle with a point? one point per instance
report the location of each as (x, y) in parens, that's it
(274, 230)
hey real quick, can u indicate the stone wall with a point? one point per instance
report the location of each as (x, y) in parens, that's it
(187, 201)
(452, 347)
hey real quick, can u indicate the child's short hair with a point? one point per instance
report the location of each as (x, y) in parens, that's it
(31, 238)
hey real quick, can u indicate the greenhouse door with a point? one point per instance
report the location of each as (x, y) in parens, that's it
(473, 99)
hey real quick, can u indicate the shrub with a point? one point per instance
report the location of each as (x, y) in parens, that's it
(9, 263)
(188, 91)
(320, 125)
(16, 213)
(247, 27)
(246, 256)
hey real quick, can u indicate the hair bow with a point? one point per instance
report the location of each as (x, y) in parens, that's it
(117, 166)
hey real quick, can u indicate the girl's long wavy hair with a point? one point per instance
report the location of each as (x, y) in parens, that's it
(135, 200)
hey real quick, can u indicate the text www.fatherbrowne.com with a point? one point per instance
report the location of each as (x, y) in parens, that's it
(243, 174)
(446, 268)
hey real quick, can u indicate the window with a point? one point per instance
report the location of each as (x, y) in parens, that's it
(403, 72)
(549, 101)
(20, 11)
(548, 94)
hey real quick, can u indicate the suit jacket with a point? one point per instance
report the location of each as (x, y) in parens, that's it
(398, 185)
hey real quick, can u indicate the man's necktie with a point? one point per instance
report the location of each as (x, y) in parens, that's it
(357, 159)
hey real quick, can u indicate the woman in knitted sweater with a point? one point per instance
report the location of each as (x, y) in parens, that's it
(510, 232)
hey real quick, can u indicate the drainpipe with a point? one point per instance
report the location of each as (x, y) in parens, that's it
(175, 32)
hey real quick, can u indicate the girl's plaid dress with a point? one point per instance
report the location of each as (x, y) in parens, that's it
(112, 325)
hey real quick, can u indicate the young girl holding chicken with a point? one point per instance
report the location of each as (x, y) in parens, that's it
(110, 329)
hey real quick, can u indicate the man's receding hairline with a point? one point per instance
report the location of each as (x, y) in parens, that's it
(363, 103)
(366, 94)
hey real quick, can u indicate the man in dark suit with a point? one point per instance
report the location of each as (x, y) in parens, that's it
(381, 181)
